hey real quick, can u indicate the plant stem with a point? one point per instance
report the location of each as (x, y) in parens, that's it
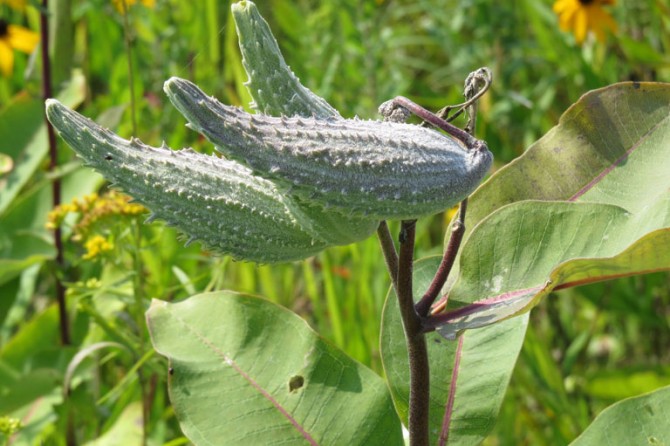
(55, 184)
(388, 249)
(139, 314)
(129, 57)
(428, 116)
(137, 258)
(419, 376)
(476, 84)
(457, 231)
(64, 323)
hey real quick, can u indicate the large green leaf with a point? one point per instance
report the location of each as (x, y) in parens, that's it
(642, 420)
(610, 147)
(246, 371)
(485, 359)
(609, 160)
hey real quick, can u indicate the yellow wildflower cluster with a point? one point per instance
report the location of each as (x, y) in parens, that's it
(96, 212)
(9, 426)
(96, 245)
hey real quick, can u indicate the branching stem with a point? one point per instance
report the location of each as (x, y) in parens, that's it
(416, 318)
(457, 231)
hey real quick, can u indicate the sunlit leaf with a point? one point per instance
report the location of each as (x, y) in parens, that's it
(607, 162)
(127, 430)
(266, 375)
(636, 421)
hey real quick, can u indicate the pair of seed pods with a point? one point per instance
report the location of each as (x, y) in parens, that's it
(286, 184)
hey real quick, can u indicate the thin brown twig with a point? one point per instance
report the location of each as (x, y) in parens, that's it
(55, 184)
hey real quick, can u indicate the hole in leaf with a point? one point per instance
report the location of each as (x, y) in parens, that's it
(295, 383)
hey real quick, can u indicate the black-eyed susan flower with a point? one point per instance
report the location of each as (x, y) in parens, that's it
(582, 16)
(13, 37)
(123, 5)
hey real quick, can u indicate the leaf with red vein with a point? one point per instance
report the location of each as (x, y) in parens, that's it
(266, 375)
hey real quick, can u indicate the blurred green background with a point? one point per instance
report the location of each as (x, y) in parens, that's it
(586, 348)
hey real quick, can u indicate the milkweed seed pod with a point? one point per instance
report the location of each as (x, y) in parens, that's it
(372, 169)
(276, 91)
(216, 201)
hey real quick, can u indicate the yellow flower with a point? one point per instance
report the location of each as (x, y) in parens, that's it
(95, 246)
(94, 211)
(19, 5)
(582, 16)
(123, 5)
(12, 38)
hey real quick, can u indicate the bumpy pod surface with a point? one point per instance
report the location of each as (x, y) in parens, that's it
(276, 91)
(274, 88)
(379, 170)
(216, 201)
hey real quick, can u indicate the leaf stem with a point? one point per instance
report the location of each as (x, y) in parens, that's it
(466, 138)
(457, 231)
(476, 84)
(129, 56)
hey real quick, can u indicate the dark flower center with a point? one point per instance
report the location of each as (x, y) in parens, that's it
(3, 28)
(586, 2)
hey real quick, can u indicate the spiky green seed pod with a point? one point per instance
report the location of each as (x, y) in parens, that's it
(377, 170)
(216, 201)
(273, 86)
(276, 91)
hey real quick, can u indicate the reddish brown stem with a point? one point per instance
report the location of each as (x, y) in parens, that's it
(55, 185)
(457, 231)
(470, 141)
(419, 371)
(388, 249)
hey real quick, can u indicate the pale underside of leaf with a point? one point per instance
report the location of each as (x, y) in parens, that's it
(608, 158)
